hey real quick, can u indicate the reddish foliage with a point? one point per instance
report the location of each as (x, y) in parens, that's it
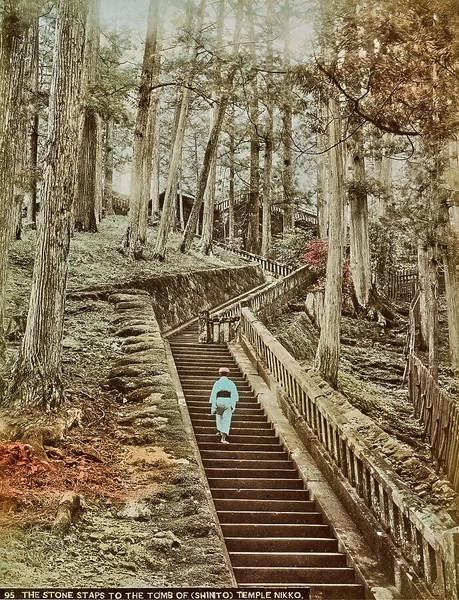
(24, 479)
(316, 258)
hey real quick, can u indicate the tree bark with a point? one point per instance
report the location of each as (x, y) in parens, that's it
(253, 207)
(15, 22)
(328, 350)
(108, 168)
(231, 193)
(360, 264)
(136, 233)
(88, 198)
(323, 160)
(36, 380)
(269, 140)
(287, 132)
(451, 262)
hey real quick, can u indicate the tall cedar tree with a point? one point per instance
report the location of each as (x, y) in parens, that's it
(36, 380)
(136, 233)
(211, 147)
(88, 198)
(16, 21)
(170, 194)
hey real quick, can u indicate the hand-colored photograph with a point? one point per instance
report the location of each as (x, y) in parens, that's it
(229, 300)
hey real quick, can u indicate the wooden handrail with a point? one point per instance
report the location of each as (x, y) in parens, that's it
(426, 542)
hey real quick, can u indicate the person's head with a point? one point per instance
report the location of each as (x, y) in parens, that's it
(223, 371)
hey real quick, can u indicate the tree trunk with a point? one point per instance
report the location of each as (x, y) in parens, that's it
(88, 193)
(14, 28)
(323, 160)
(136, 233)
(287, 132)
(108, 168)
(360, 264)
(209, 155)
(36, 380)
(269, 140)
(212, 143)
(231, 193)
(383, 174)
(328, 350)
(423, 281)
(85, 217)
(170, 194)
(209, 198)
(450, 262)
(253, 208)
(32, 123)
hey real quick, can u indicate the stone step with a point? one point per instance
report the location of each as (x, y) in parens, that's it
(264, 494)
(271, 518)
(282, 544)
(236, 463)
(262, 505)
(296, 574)
(286, 559)
(278, 530)
(251, 482)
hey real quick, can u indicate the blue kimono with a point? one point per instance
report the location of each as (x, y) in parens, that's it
(223, 400)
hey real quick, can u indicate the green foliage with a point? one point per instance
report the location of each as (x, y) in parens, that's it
(114, 96)
(289, 248)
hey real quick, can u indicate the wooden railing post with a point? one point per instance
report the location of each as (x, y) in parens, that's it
(204, 327)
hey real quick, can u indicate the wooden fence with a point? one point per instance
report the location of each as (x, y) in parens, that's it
(221, 326)
(440, 416)
(425, 542)
(271, 266)
(401, 285)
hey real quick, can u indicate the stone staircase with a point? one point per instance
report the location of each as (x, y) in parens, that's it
(274, 533)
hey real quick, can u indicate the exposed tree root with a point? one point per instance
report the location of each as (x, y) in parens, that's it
(40, 434)
(379, 309)
(70, 505)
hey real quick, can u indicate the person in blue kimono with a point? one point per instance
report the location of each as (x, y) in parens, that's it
(223, 400)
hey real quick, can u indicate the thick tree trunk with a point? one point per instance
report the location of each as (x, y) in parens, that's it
(170, 194)
(136, 232)
(360, 263)
(32, 65)
(14, 28)
(328, 350)
(36, 380)
(88, 198)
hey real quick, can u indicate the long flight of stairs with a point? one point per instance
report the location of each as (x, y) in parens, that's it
(273, 532)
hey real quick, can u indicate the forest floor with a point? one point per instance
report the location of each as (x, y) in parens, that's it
(145, 522)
